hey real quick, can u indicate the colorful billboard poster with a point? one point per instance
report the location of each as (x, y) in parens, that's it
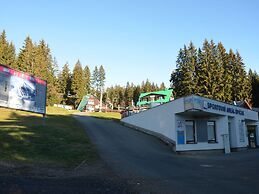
(22, 91)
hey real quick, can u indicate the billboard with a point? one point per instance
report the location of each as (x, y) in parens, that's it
(22, 91)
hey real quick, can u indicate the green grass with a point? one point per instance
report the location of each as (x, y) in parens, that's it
(106, 115)
(57, 140)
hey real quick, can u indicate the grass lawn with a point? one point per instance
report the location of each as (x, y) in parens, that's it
(57, 140)
(106, 115)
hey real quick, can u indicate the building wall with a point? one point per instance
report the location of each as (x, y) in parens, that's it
(169, 120)
(221, 128)
(232, 131)
(159, 119)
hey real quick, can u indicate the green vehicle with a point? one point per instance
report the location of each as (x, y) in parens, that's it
(151, 99)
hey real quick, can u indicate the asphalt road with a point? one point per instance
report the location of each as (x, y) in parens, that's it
(152, 167)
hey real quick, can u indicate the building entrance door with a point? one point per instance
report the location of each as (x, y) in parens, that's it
(251, 136)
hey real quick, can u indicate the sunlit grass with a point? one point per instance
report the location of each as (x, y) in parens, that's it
(57, 139)
(55, 110)
(106, 115)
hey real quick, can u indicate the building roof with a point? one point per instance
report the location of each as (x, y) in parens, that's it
(83, 102)
(166, 94)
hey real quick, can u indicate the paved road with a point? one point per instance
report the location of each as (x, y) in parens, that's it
(151, 166)
(70, 185)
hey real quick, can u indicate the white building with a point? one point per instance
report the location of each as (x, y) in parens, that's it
(198, 123)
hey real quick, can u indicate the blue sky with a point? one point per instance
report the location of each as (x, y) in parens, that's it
(136, 39)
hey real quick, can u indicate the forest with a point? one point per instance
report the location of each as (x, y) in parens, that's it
(214, 73)
(209, 71)
(68, 86)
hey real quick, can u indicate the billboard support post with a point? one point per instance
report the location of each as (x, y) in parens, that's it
(44, 119)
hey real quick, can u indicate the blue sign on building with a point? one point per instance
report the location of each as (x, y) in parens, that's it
(180, 137)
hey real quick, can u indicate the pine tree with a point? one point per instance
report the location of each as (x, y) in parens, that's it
(7, 51)
(65, 83)
(3, 47)
(226, 83)
(101, 82)
(26, 57)
(11, 56)
(87, 76)
(183, 79)
(116, 95)
(110, 95)
(254, 77)
(77, 88)
(204, 72)
(43, 65)
(244, 84)
(162, 86)
(101, 77)
(128, 94)
(239, 78)
(42, 62)
(94, 80)
(146, 86)
(217, 71)
(211, 72)
(190, 81)
(177, 75)
(136, 94)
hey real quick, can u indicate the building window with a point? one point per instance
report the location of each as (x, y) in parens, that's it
(190, 131)
(211, 129)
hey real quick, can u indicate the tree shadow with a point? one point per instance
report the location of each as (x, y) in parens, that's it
(54, 140)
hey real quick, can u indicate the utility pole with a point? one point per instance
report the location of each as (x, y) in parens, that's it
(101, 100)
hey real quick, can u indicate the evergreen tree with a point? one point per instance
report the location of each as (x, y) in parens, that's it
(3, 47)
(153, 87)
(26, 57)
(232, 73)
(177, 75)
(128, 94)
(101, 82)
(77, 88)
(255, 88)
(183, 79)
(204, 71)
(11, 56)
(189, 71)
(162, 86)
(116, 96)
(240, 82)
(110, 95)
(211, 72)
(7, 51)
(217, 70)
(42, 63)
(243, 83)
(146, 86)
(87, 76)
(226, 83)
(44, 66)
(94, 80)
(136, 94)
(101, 77)
(65, 83)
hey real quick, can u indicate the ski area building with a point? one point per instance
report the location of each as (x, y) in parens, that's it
(152, 99)
(90, 103)
(195, 123)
